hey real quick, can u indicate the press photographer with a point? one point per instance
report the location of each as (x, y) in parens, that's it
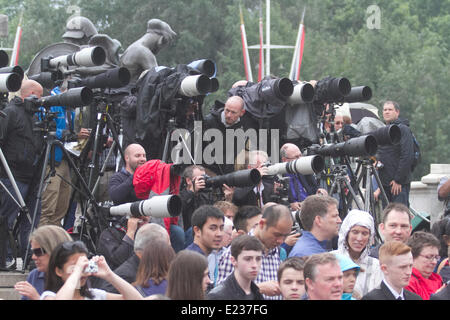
(56, 197)
(300, 186)
(396, 159)
(223, 117)
(260, 193)
(21, 146)
(193, 195)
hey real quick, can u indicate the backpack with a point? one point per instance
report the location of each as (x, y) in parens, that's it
(417, 156)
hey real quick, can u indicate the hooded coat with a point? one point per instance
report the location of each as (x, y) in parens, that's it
(370, 274)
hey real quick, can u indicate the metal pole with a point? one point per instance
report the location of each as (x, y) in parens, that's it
(268, 37)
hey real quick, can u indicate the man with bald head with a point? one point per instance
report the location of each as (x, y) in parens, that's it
(226, 117)
(300, 186)
(21, 147)
(121, 189)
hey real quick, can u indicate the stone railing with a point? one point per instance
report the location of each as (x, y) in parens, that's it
(423, 196)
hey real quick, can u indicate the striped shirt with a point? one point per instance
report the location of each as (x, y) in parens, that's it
(268, 272)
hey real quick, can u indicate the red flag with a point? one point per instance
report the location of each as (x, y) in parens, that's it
(300, 57)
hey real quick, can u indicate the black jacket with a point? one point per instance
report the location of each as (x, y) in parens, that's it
(121, 189)
(214, 121)
(444, 294)
(191, 201)
(243, 196)
(112, 245)
(383, 293)
(397, 159)
(20, 144)
(229, 289)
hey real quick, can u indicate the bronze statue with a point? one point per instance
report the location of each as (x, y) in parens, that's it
(140, 55)
(79, 30)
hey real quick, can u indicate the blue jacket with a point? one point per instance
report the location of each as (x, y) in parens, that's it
(307, 245)
(62, 123)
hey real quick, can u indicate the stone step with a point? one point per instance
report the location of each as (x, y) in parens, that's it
(9, 294)
(9, 279)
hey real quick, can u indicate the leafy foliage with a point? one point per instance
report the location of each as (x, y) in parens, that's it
(406, 59)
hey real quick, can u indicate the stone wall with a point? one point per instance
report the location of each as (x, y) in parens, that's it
(423, 196)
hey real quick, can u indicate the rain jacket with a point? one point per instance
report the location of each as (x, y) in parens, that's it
(397, 158)
(370, 274)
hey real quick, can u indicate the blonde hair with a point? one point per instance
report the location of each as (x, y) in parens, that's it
(49, 237)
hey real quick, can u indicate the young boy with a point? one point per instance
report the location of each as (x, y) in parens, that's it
(350, 271)
(246, 257)
(291, 279)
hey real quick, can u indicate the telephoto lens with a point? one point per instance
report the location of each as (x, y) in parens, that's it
(158, 206)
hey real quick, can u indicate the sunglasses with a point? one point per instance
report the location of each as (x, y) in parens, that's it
(38, 252)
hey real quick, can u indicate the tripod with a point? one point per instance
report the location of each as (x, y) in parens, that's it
(367, 171)
(49, 159)
(13, 234)
(103, 120)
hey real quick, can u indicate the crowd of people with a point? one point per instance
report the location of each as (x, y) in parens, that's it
(246, 245)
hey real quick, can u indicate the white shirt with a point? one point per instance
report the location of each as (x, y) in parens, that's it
(393, 291)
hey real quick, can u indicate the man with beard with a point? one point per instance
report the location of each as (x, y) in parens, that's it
(121, 189)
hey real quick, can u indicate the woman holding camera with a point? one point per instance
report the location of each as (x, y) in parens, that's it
(43, 240)
(68, 272)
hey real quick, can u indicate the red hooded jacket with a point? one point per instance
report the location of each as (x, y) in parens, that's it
(153, 178)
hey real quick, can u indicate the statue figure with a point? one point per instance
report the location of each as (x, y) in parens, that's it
(140, 55)
(79, 30)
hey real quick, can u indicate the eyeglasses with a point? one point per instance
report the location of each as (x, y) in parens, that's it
(431, 257)
(38, 252)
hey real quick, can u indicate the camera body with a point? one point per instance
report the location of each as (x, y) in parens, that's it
(92, 267)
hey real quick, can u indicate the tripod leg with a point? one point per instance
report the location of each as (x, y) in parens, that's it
(38, 198)
(380, 185)
(111, 126)
(92, 166)
(368, 193)
(352, 192)
(91, 198)
(102, 171)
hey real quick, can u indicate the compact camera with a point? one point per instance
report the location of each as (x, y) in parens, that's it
(92, 267)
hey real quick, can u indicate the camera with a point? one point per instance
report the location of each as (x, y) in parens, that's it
(11, 79)
(4, 59)
(330, 90)
(114, 78)
(266, 98)
(304, 165)
(241, 178)
(158, 207)
(303, 93)
(390, 134)
(358, 94)
(71, 98)
(356, 147)
(92, 267)
(47, 80)
(87, 57)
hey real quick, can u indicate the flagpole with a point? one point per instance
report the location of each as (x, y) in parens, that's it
(302, 43)
(298, 52)
(261, 44)
(16, 49)
(268, 37)
(248, 69)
